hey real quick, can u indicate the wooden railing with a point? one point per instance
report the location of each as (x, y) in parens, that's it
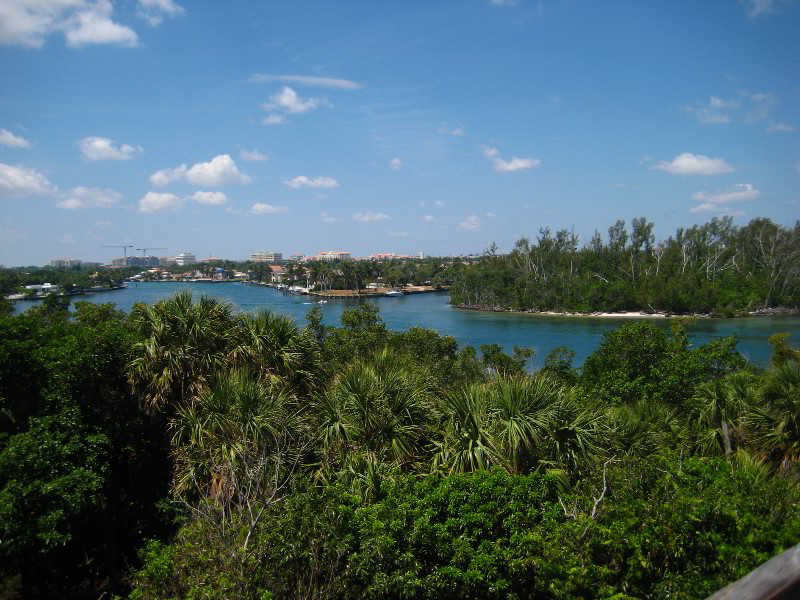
(776, 579)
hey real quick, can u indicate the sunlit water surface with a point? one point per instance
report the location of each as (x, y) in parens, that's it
(542, 333)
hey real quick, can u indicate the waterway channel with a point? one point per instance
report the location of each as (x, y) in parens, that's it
(542, 333)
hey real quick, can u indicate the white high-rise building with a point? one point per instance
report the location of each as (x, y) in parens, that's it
(185, 258)
(334, 255)
(260, 257)
(65, 263)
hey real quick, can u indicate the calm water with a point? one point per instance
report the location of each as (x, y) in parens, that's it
(582, 334)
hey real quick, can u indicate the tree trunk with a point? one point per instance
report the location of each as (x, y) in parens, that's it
(726, 438)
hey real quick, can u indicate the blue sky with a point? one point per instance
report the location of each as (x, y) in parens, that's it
(417, 126)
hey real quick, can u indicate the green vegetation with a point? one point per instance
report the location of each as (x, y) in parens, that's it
(357, 274)
(74, 279)
(186, 451)
(712, 268)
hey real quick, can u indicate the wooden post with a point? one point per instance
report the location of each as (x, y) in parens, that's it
(776, 579)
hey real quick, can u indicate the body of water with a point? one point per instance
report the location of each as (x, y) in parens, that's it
(542, 333)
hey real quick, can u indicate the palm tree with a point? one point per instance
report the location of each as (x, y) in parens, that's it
(776, 423)
(521, 410)
(467, 443)
(574, 435)
(273, 347)
(378, 407)
(645, 427)
(183, 344)
(522, 423)
(716, 408)
(229, 441)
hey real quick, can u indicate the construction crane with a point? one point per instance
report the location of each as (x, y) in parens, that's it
(124, 251)
(146, 249)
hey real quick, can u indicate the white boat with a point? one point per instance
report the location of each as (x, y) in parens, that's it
(393, 293)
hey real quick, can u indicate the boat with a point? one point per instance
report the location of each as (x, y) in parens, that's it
(393, 293)
(322, 302)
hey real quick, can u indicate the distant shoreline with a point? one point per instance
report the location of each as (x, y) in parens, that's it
(766, 312)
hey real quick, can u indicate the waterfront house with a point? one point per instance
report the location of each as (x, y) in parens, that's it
(42, 289)
(278, 273)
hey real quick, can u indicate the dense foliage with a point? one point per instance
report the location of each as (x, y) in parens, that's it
(351, 274)
(668, 529)
(69, 279)
(81, 466)
(712, 268)
(186, 451)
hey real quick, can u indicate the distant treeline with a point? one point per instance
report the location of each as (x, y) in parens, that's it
(357, 274)
(76, 278)
(712, 268)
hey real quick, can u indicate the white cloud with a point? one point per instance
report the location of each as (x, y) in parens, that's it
(311, 81)
(95, 27)
(86, 197)
(741, 192)
(155, 11)
(428, 218)
(503, 2)
(439, 203)
(210, 197)
(155, 201)
(762, 104)
(705, 207)
(316, 182)
(748, 108)
(260, 208)
(781, 128)
(398, 233)
(694, 164)
(291, 102)
(716, 111)
(718, 202)
(471, 223)
(516, 164)
(167, 176)
(369, 217)
(457, 132)
(757, 8)
(508, 166)
(28, 23)
(102, 224)
(220, 170)
(718, 103)
(70, 203)
(273, 120)
(396, 164)
(13, 141)
(328, 218)
(21, 181)
(100, 148)
(253, 155)
(708, 207)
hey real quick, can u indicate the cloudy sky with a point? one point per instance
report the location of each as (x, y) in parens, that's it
(226, 128)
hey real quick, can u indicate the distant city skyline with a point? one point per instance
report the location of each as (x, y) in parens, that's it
(435, 127)
(147, 260)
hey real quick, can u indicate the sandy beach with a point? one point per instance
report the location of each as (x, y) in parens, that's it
(623, 315)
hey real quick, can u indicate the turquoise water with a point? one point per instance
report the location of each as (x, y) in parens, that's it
(474, 328)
